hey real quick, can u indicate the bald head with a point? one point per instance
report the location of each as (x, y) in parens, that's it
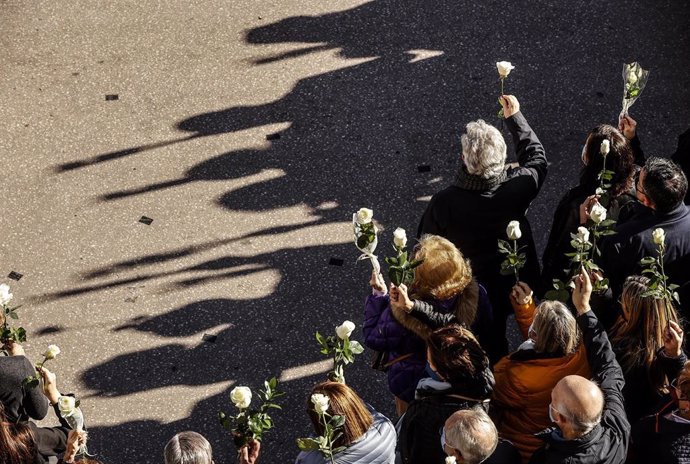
(472, 433)
(580, 401)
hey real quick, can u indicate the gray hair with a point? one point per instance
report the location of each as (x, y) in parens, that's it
(556, 329)
(483, 149)
(473, 434)
(188, 448)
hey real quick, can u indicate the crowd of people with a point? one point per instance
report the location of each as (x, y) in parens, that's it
(599, 378)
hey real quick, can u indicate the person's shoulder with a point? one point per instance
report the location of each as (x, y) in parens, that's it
(16, 363)
(505, 453)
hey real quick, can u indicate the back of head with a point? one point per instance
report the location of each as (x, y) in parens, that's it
(580, 400)
(343, 401)
(555, 328)
(664, 184)
(457, 357)
(444, 273)
(639, 331)
(483, 149)
(619, 160)
(188, 448)
(17, 445)
(473, 434)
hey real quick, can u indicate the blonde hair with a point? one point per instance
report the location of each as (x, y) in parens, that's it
(638, 333)
(444, 273)
(556, 329)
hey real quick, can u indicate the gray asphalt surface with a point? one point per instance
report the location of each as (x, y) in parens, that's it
(249, 131)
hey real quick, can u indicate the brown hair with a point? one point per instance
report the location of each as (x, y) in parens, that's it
(556, 329)
(17, 445)
(620, 159)
(444, 274)
(343, 401)
(457, 357)
(638, 333)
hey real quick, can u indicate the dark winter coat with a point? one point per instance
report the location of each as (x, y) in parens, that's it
(659, 439)
(399, 333)
(419, 436)
(474, 213)
(608, 442)
(20, 403)
(621, 253)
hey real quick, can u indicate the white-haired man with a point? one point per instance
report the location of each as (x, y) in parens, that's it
(487, 194)
(592, 427)
(471, 437)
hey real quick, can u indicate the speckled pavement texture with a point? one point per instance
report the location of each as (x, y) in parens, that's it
(249, 131)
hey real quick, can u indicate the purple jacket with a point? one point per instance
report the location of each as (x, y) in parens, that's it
(383, 332)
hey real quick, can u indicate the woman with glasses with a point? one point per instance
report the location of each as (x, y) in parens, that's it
(648, 343)
(665, 436)
(623, 156)
(525, 378)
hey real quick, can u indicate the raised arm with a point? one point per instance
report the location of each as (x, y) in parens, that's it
(530, 152)
(602, 361)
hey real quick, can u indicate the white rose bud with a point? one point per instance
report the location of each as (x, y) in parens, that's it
(51, 352)
(582, 234)
(344, 330)
(504, 68)
(451, 460)
(241, 397)
(320, 403)
(364, 216)
(658, 236)
(67, 405)
(598, 213)
(605, 147)
(400, 237)
(513, 230)
(632, 77)
(5, 295)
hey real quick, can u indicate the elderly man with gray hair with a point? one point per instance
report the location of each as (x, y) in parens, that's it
(592, 427)
(487, 194)
(471, 437)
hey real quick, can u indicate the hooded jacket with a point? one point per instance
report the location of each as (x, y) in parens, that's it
(524, 380)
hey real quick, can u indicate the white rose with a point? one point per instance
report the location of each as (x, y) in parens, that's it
(451, 460)
(605, 147)
(600, 191)
(513, 230)
(658, 236)
(364, 216)
(51, 352)
(345, 329)
(400, 237)
(632, 77)
(504, 68)
(5, 295)
(241, 397)
(320, 403)
(582, 234)
(598, 213)
(67, 405)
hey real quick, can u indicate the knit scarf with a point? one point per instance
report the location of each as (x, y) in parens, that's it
(467, 181)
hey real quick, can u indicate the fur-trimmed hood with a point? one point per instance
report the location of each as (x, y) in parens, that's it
(463, 305)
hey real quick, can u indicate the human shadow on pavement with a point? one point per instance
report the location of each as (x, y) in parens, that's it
(379, 133)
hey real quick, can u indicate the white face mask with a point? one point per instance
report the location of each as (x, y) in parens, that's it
(584, 152)
(550, 414)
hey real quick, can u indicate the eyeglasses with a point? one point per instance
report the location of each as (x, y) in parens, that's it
(445, 444)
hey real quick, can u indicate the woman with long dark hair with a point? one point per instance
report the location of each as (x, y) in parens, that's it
(648, 343)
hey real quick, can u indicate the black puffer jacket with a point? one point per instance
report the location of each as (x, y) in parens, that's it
(607, 443)
(659, 439)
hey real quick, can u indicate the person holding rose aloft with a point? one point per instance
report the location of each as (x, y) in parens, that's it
(444, 283)
(487, 194)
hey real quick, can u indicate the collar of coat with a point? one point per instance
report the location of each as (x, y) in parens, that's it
(563, 445)
(468, 301)
(468, 181)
